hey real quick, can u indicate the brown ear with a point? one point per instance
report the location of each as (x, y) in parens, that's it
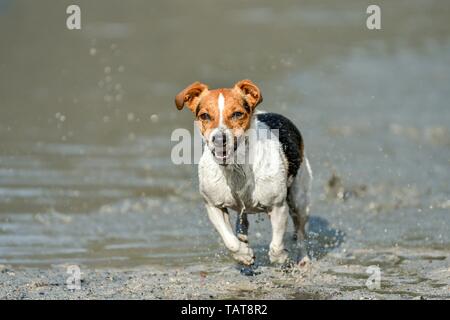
(190, 96)
(250, 92)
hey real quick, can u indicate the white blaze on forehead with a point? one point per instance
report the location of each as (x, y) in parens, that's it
(221, 104)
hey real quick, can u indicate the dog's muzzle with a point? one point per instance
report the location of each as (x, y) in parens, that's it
(223, 147)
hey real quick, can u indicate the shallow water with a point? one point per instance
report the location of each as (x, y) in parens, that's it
(86, 117)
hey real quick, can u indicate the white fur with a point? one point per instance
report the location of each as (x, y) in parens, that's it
(221, 128)
(221, 104)
(259, 186)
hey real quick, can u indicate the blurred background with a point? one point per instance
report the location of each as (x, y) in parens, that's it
(86, 117)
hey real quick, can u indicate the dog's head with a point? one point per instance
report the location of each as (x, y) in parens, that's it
(222, 115)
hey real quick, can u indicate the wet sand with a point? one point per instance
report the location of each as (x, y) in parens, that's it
(423, 274)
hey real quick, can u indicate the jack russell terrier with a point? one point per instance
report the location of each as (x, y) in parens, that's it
(277, 180)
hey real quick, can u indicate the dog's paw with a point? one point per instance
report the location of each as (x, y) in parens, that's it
(280, 256)
(305, 262)
(244, 255)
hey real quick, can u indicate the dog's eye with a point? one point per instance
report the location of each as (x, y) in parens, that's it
(205, 116)
(237, 115)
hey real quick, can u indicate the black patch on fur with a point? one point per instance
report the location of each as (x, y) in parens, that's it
(289, 137)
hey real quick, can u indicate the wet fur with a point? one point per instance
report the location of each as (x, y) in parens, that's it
(275, 178)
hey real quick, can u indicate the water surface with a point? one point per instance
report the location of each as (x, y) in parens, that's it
(86, 117)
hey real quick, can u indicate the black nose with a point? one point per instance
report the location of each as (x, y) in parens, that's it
(220, 139)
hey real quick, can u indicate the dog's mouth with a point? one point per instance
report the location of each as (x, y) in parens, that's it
(223, 155)
(220, 155)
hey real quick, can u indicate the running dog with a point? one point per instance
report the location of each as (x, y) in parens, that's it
(274, 175)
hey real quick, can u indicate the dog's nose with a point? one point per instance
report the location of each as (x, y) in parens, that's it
(220, 139)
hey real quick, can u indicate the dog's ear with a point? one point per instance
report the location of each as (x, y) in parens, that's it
(250, 92)
(190, 96)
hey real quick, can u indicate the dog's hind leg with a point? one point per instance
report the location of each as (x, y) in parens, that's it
(278, 218)
(242, 227)
(299, 215)
(298, 200)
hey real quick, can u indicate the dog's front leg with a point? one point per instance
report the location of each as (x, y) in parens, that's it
(221, 221)
(278, 219)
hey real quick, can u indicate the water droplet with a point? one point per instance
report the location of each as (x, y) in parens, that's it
(154, 118)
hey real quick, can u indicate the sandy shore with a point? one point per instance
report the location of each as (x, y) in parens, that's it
(404, 275)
